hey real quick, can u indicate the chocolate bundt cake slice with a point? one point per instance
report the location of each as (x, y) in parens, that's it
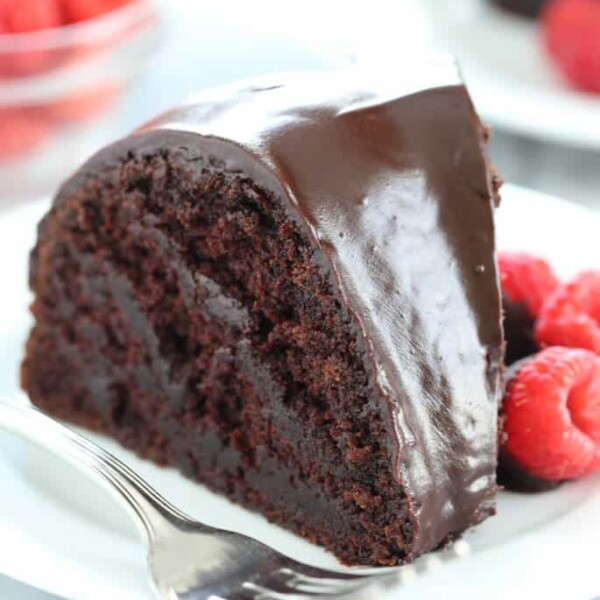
(287, 289)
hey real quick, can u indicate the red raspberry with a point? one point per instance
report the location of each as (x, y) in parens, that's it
(526, 279)
(18, 16)
(571, 30)
(82, 10)
(21, 133)
(84, 106)
(552, 414)
(31, 62)
(571, 316)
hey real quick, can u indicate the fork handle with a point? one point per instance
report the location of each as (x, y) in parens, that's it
(151, 512)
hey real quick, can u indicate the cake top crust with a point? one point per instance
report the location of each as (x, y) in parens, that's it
(388, 176)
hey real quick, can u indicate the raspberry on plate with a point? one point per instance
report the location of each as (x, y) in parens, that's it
(551, 415)
(526, 279)
(571, 30)
(526, 283)
(518, 331)
(571, 316)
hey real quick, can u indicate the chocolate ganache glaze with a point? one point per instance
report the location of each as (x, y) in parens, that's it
(389, 181)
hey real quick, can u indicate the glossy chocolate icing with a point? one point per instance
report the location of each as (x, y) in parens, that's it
(389, 180)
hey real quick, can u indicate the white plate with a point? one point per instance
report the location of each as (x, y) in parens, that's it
(514, 83)
(61, 534)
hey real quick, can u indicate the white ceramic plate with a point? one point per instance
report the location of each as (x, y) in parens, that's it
(513, 82)
(61, 534)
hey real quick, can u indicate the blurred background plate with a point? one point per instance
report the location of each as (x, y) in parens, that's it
(93, 82)
(546, 136)
(61, 534)
(512, 79)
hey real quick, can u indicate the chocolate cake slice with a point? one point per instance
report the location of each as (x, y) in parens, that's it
(287, 289)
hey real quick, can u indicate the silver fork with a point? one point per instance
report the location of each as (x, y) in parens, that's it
(187, 559)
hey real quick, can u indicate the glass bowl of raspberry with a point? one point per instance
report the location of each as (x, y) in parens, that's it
(64, 67)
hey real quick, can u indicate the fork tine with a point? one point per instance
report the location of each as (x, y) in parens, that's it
(324, 585)
(314, 573)
(300, 581)
(289, 583)
(267, 593)
(264, 593)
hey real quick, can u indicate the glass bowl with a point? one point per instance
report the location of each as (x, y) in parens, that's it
(56, 86)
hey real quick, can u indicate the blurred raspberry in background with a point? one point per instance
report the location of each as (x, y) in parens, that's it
(571, 30)
(64, 67)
